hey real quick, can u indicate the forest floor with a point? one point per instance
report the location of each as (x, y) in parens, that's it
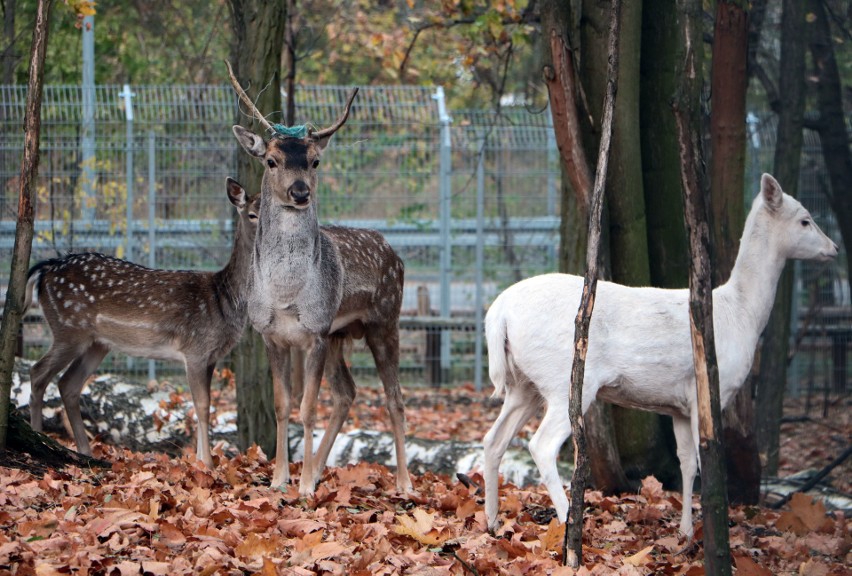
(157, 515)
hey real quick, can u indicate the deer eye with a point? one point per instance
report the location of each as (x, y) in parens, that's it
(271, 163)
(315, 164)
(806, 222)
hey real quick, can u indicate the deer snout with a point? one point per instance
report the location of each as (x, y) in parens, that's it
(300, 192)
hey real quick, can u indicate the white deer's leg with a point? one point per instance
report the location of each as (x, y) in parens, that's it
(314, 365)
(384, 344)
(42, 372)
(518, 408)
(71, 386)
(342, 396)
(198, 376)
(688, 456)
(555, 428)
(279, 363)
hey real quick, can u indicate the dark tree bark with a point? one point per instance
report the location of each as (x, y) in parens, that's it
(573, 547)
(258, 28)
(14, 307)
(662, 54)
(831, 125)
(8, 46)
(638, 433)
(788, 152)
(561, 80)
(729, 83)
(714, 505)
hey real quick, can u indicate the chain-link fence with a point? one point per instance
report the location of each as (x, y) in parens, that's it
(469, 199)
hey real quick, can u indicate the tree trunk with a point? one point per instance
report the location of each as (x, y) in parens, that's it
(560, 77)
(717, 553)
(14, 307)
(625, 221)
(258, 28)
(833, 136)
(8, 45)
(573, 546)
(662, 54)
(788, 152)
(727, 182)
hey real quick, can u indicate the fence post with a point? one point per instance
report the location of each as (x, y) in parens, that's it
(87, 136)
(152, 212)
(127, 95)
(478, 299)
(445, 173)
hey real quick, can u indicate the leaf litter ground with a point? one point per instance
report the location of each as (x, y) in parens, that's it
(158, 515)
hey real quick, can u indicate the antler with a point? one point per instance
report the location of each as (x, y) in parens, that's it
(247, 101)
(325, 132)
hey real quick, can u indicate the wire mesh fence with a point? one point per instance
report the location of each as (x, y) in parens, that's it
(469, 199)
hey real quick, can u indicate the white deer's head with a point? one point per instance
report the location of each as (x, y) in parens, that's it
(791, 224)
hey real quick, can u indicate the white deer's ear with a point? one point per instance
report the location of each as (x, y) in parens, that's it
(251, 142)
(771, 191)
(236, 194)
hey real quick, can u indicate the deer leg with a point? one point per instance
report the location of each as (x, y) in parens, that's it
(199, 377)
(343, 395)
(384, 344)
(314, 364)
(279, 362)
(518, 407)
(555, 428)
(42, 372)
(71, 386)
(688, 456)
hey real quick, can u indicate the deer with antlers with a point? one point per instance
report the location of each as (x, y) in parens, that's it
(94, 303)
(315, 287)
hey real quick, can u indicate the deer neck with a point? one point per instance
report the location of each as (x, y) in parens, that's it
(288, 249)
(750, 291)
(232, 280)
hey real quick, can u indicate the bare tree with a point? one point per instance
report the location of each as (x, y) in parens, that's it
(14, 307)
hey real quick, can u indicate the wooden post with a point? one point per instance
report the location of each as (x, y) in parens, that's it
(573, 548)
(432, 340)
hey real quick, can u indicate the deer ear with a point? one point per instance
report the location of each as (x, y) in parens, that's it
(323, 141)
(236, 193)
(251, 142)
(771, 191)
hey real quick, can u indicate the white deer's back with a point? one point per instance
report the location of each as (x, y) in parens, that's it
(640, 352)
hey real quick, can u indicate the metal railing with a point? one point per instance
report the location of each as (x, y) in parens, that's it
(469, 199)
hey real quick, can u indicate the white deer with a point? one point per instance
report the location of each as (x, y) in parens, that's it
(640, 352)
(95, 303)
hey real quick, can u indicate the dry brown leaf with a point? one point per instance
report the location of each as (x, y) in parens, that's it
(327, 550)
(419, 527)
(814, 567)
(255, 547)
(652, 490)
(810, 510)
(748, 567)
(640, 558)
(553, 539)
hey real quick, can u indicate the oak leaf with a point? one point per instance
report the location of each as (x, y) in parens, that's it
(420, 527)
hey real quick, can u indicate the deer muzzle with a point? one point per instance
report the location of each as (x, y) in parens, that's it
(299, 192)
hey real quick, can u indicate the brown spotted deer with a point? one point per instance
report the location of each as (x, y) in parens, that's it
(95, 303)
(314, 287)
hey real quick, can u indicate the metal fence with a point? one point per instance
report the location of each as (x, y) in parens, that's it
(469, 199)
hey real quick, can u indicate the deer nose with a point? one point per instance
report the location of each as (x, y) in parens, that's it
(299, 192)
